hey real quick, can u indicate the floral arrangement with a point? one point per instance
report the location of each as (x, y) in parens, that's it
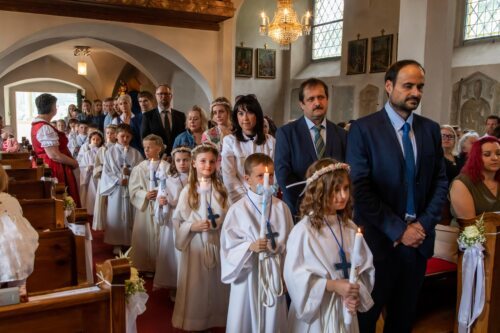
(472, 235)
(68, 202)
(135, 284)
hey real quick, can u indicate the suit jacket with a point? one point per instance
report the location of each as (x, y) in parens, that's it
(295, 152)
(378, 177)
(152, 124)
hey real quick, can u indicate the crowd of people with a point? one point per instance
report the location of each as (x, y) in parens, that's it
(188, 193)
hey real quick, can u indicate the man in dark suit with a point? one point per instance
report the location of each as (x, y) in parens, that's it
(163, 120)
(400, 185)
(303, 141)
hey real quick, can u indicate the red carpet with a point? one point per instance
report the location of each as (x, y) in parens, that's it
(158, 315)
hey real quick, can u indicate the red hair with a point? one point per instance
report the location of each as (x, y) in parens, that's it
(474, 166)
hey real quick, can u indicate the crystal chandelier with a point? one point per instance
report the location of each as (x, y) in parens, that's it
(285, 27)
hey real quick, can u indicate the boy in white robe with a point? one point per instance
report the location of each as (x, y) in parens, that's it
(319, 249)
(202, 299)
(172, 181)
(86, 164)
(118, 160)
(100, 205)
(143, 191)
(240, 248)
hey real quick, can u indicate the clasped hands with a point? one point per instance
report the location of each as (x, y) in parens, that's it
(414, 235)
(200, 226)
(348, 291)
(151, 195)
(260, 245)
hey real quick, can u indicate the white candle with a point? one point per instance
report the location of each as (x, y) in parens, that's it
(264, 204)
(162, 176)
(352, 274)
(204, 189)
(151, 175)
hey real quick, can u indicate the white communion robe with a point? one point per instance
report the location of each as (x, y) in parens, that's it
(240, 265)
(145, 232)
(310, 260)
(87, 182)
(168, 257)
(118, 228)
(234, 154)
(202, 299)
(100, 204)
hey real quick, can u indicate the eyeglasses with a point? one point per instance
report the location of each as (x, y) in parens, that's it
(164, 94)
(447, 137)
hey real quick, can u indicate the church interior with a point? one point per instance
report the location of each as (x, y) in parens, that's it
(206, 49)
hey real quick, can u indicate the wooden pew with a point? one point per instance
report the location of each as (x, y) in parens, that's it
(15, 156)
(16, 163)
(30, 189)
(25, 174)
(43, 213)
(98, 310)
(489, 320)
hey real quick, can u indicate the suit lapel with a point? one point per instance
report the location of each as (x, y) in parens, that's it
(331, 138)
(417, 130)
(307, 144)
(391, 137)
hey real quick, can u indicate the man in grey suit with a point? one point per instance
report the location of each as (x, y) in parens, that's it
(305, 140)
(163, 120)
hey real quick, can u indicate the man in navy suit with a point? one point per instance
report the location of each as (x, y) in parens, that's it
(297, 142)
(163, 121)
(400, 185)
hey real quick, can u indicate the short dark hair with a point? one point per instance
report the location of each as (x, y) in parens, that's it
(393, 71)
(124, 128)
(492, 116)
(250, 104)
(44, 103)
(146, 94)
(312, 82)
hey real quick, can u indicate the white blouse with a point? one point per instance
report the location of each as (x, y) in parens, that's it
(46, 135)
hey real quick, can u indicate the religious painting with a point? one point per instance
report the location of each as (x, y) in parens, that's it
(381, 53)
(266, 63)
(243, 63)
(356, 56)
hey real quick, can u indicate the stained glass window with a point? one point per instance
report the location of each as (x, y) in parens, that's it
(327, 28)
(482, 19)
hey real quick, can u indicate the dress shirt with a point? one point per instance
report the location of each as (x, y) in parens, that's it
(162, 116)
(398, 122)
(312, 131)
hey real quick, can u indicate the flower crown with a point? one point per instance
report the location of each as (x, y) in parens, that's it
(220, 103)
(318, 173)
(204, 145)
(180, 150)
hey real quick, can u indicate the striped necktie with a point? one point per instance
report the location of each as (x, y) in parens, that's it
(318, 141)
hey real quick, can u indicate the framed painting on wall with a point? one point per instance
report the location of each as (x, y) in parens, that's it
(243, 62)
(381, 53)
(266, 63)
(356, 56)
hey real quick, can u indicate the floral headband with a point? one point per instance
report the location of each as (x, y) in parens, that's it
(204, 145)
(180, 150)
(220, 103)
(318, 173)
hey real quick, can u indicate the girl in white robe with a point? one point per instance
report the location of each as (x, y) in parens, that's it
(87, 182)
(101, 204)
(172, 181)
(118, 161)
(142, 187)
(240, 247)
(248, 138)
(18, 240)
(202, 298)
(320, 290)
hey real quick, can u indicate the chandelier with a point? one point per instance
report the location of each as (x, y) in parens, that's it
(285, 27)
(81, 51)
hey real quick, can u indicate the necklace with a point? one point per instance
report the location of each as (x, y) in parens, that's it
(269, 231)
(343, 264)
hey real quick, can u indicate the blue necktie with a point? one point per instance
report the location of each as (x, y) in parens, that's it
(409, 170)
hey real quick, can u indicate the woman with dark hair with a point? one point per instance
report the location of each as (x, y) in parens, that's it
(52, 146)
(269, 126)
(476, 189)
(248, 138)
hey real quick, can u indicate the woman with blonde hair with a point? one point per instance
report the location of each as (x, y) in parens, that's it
(134, 121)
(220, 114)
(196, 123)
(449, 143)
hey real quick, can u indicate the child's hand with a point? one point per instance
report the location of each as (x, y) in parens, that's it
(126, 171)
(259, 245)
(124, 182)
(151, 195)
(200, 226)
(163, 201)
(343, 288)
(352, 304)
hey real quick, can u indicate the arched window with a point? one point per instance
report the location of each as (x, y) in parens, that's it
(327, 29)
(482, 19)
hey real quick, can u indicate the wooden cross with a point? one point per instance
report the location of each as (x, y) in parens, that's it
(271, 235)
(343, 265)
(212, 217)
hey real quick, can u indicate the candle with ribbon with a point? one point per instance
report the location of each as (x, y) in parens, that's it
(204, 189)
(163, 184)
(151, 175)
(265, 197)
(355, 258)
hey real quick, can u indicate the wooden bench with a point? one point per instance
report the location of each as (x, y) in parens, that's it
(97, 310)
(43, 213)
(16, 163)
(30, 189)
(25, 174)
(15, 156)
